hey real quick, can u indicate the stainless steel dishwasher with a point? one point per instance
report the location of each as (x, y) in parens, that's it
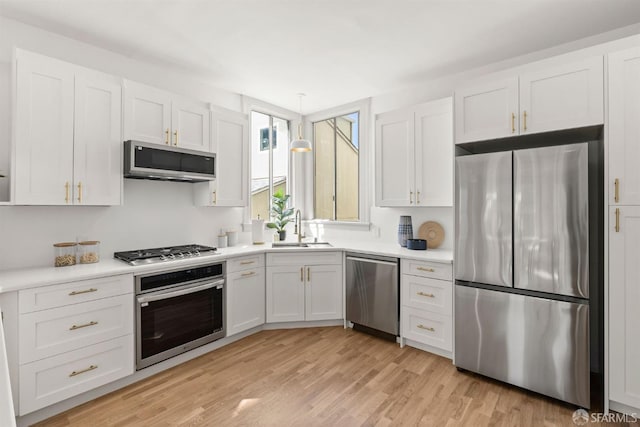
(372, 294)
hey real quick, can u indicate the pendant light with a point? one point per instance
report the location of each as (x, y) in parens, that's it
(300, 144)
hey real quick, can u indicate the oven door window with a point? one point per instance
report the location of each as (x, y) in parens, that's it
(169, 323)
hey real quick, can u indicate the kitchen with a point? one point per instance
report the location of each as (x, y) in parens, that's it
(154, 214)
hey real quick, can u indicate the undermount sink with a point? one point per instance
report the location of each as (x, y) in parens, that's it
(300, 244)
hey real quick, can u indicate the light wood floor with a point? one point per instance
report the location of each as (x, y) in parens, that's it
(317, 377)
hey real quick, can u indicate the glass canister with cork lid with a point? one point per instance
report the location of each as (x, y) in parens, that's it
(89, 251)
(65, 254)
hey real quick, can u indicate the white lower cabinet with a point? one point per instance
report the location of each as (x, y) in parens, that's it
(299, 288)
(624, 300)
(426, 312)
(74, 337)
(427, 327)
(51, 380)
(245, 293)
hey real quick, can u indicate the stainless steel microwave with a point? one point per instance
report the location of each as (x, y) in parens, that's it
(144, 160)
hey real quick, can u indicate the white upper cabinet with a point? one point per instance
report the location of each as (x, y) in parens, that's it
(147, 114)
(190, 125)
(559, 95)
(624, 127)
(394, 158)
(434, 153)
(98, 139)
(230, 142)
(160, 117)
(68, 134)
(487, 110)
(414, 156)
(562, 97)
(44, 130)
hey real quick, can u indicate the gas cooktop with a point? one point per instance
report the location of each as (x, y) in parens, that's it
(150, 256)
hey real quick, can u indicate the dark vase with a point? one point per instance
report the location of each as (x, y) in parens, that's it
(283, 235)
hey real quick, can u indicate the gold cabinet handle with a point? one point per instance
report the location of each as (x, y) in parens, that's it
(513, 122)
(424, 294)
(617, 220)
(410, 196)
(616, 190)
(80, 192)
(166, 136)
(302, 274)
(66, 192)
(214, 196)
(308, 274)
(175, 133)
(90, 368)
(426, 328)
(74, 327)
(251, 273)
(525, 119)
(86, 291)
(418, 197)
(430, 270)
(246, 262)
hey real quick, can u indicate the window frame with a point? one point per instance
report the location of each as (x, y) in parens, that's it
(363, 108)
(250, 105)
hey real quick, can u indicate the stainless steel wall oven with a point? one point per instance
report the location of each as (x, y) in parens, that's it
(178, 310)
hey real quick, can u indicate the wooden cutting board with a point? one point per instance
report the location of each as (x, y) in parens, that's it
(432, 232)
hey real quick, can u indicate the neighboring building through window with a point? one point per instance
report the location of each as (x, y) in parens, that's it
(336, 156)
(269, 161)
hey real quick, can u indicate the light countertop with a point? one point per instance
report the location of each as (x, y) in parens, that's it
(23, 278)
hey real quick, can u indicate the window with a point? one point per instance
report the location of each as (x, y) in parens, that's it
(337, 168)
(269, 161)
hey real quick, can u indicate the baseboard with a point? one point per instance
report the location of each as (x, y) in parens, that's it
(428, 348)
(625, 409)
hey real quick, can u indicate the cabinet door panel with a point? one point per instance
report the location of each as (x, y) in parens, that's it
(49, 332)
(395, 176)
(57, 378)
(624, 300)
(624, 126)
(147, 114)
(98, 139)
(44, 131)
(230, 142)
(562, 97)
(190, 125)
(323, 292)
(285, 294)
(487, 111)
(245, 300)
(434, 153)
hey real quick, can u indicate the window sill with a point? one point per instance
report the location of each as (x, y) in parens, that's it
(339, 224)
(246, 227)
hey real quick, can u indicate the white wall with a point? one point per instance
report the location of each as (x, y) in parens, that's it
(153, 214)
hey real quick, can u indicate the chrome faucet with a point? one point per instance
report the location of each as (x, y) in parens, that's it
(298, 227)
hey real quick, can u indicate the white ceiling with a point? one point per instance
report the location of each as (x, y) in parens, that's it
(335, 51)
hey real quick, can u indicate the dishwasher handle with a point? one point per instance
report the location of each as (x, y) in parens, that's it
(372, 261)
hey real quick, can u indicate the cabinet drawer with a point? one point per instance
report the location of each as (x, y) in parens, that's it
(435, 270)
(50, 332)
(53, 296)
(428, 328)
(427, 294)
(308, 258)
(52, 380)
(244, 263)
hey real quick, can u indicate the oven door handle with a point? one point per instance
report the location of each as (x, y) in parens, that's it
(166, 295)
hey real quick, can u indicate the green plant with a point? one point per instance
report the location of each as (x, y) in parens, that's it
(279, 211)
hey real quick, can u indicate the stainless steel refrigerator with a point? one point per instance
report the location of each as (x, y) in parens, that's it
(522, 267)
